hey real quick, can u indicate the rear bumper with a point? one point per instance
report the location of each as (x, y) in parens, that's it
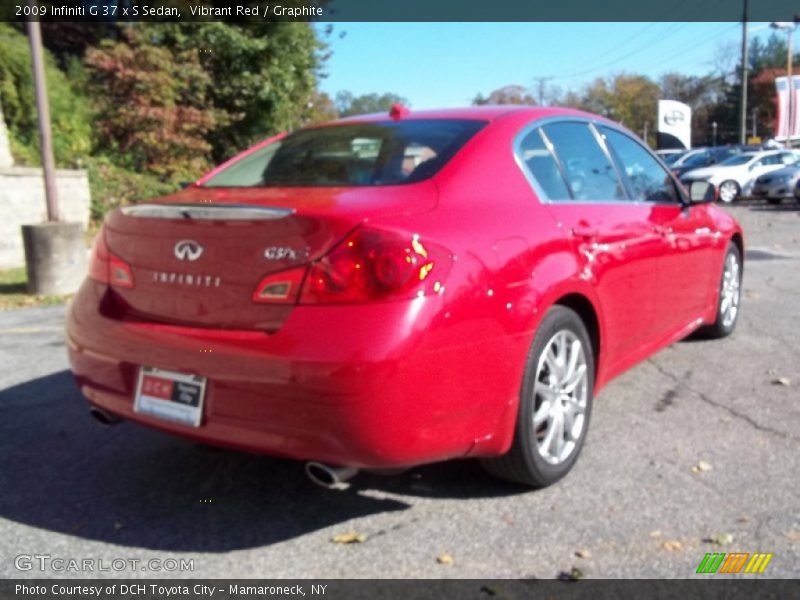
(384, 385)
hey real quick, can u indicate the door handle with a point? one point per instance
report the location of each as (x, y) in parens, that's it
(584, 232)
(662, 230)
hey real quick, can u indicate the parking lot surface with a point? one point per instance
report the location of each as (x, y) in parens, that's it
(696, 450)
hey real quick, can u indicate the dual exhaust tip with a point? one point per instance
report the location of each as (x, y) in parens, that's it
(327, 476)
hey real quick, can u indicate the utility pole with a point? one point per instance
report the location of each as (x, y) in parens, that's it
(755, 130)
(743, 101)
(541, 86)
(43, 111)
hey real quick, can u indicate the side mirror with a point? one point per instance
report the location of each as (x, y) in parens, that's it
(701, 191)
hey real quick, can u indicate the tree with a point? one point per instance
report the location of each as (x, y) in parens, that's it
(508, 94)
(264, 73)
(702, 94)
(153, 111)
(319, 109)
(70, 113)
(349, 105)
(632, 100)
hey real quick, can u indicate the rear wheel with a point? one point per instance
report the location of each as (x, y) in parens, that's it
(729, 295)
(555, 403)
(728, 191)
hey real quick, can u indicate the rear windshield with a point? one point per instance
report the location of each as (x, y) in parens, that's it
(361, 154)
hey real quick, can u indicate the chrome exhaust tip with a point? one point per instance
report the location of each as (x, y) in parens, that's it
(328, 476)
(103, 417)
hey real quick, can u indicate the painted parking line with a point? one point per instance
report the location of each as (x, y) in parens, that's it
(25, 330)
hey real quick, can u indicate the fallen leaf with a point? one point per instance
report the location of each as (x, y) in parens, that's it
(673, 545)
(349, 538)
(722, 539)
(574, 574)
(655, 534)
(583, 553)
(793, 535)
(701, 467)
(752, 295)
(782, 381)
(445, 559)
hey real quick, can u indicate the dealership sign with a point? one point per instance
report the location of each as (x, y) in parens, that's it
(674, 124)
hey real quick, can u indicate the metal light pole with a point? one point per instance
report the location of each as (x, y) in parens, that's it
(743, 100)
(788, 27)
(43, 110)
(713, 133)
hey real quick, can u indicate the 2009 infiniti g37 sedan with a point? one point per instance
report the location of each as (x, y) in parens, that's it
(403, 288)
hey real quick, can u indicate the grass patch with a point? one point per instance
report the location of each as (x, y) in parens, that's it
(14, 292)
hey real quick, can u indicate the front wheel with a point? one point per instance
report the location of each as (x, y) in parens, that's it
(555, 403)
(728, 191)
(729, 295)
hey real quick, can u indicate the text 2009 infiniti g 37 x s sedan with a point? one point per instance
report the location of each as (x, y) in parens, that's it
(391, 290)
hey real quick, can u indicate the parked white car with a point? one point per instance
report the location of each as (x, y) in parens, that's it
(737, 174)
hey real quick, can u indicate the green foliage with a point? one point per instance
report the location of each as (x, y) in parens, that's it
(509, 94)
(114, 186)
(70, 114)
(264, 75)
(152, 108)
(349, 105)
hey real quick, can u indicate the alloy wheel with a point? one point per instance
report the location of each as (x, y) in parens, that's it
(728, 191)
(729, 304)
(560, 397)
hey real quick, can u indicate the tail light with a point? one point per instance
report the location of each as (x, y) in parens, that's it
(374, 265)
(280, 288)
(104, 267)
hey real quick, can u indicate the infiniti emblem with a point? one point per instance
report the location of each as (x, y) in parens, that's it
(188, 250)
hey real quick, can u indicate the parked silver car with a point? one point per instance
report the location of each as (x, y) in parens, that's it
(777, 185)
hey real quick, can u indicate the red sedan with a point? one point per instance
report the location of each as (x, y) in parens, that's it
(391, 290)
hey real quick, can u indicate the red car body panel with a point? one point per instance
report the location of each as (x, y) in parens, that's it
(400, 382)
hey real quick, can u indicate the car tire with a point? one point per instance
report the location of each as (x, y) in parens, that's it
(556, 390)
(728, 191)
(730, 290)
(774, 201)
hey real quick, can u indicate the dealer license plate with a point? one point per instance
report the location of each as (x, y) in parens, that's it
(170, 396)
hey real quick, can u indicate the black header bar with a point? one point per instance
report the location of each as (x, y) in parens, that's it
(393, 11)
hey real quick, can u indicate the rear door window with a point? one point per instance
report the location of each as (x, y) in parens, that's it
(590, 174)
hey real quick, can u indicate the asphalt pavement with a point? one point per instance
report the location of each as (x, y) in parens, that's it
(696, 450)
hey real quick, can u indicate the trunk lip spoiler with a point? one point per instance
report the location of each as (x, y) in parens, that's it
(211, 212)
